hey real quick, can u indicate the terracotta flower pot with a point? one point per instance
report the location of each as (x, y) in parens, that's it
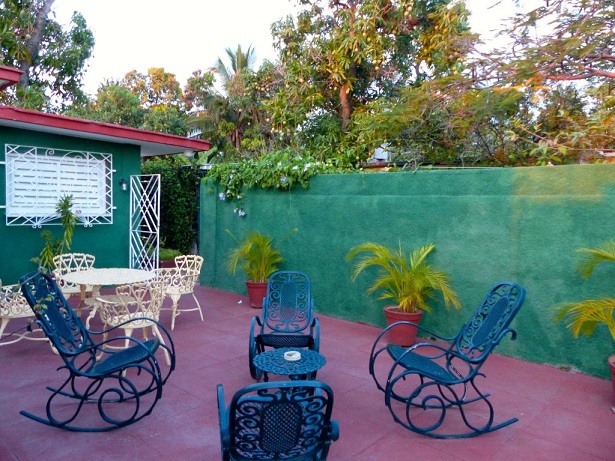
(402, 335)
(256, 292)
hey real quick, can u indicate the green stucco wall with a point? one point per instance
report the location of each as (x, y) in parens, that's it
(488, 225)
(108, 242)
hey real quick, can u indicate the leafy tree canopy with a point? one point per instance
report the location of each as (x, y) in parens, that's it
(51, 57)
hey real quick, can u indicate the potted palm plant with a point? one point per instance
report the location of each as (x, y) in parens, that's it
(583, 317)
(259, 260)
(54, 246)
(410, 283)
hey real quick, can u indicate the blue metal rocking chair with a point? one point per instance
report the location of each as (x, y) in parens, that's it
(287, 318)
(123, 385)
(427, 379)
(288, 420)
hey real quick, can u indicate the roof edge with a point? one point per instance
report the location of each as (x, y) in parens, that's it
(63, 122)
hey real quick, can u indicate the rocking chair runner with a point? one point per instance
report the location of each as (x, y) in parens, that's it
(288, 420)
(123, 385)
(287, 318)
(444, 375)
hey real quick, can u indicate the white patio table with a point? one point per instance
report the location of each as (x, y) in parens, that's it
(107, 277)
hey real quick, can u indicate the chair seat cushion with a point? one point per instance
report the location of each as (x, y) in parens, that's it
(285, 340)
(423, 365)
(119, 360)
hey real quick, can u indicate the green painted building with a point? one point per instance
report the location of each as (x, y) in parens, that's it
(44, 157)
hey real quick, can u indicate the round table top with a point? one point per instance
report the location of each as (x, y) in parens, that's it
(108, 276)
(273, 361)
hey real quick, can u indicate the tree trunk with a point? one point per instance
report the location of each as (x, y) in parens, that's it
(345, 106)
(33, 44)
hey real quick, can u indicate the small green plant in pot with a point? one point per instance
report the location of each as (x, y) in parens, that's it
(55, 246)
(259, 259)
(583, 317)
(409, 282)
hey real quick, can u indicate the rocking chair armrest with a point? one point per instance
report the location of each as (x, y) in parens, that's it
(225, 436)
(256, 321)
(131, 339)
(169, 340)
(513, 335)
(404, 322)
(334, 430)
(315, 333)
(420, 328)
(441, 352)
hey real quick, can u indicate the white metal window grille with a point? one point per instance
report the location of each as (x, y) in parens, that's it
(37, 177)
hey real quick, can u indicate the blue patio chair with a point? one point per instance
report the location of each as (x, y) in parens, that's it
(288, 420)
(122, 385)
(422, 382)
(287, 318)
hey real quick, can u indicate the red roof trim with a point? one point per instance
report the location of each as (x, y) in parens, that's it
(88, 126)
(9, 76)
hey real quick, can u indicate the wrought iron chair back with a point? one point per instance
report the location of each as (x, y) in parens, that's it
(283, 420)
(67, 263)
(288, 306)
(490, 322)
(130, 377)
(287, 318)
(63, 327)
(446, 368)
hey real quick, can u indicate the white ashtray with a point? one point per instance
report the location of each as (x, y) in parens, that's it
(292, 356)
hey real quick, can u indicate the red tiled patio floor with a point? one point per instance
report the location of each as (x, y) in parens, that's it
(562, 415)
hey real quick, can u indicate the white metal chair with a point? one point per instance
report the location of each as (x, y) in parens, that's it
(13, 306)
(180, 280)
(134, 306)
(73, 262)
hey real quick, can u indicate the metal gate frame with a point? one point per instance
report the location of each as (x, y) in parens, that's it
(144, 221)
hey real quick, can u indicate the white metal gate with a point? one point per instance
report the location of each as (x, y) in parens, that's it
(144, 221)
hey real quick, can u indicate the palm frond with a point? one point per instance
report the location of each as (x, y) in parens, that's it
(595, 256)
(409, 282)
(583, 317)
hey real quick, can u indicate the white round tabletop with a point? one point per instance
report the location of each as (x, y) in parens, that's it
(108, 276)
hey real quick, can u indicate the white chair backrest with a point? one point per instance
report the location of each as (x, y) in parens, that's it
(73, 262)
(12, 302)
(135, 300)
(193, 262)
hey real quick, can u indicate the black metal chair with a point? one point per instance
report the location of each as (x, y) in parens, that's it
(288, 420)
(427, 379)
(122, 385)
(287, 317)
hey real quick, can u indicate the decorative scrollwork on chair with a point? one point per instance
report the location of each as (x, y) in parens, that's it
(288, 420)
(122, 385)
(423, 382)
(287, 318)
(181, 280)
(66, 263)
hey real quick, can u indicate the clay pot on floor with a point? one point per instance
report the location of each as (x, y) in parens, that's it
(256, 292)
(402, 335)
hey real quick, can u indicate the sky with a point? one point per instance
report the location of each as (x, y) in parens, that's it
(185, 35)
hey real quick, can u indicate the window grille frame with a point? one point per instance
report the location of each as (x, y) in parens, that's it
(37, 177)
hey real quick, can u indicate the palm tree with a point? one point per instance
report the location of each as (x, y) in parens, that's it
(584, 316)
(240, 62)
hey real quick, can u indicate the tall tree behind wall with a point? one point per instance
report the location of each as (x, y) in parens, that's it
(52, 58)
